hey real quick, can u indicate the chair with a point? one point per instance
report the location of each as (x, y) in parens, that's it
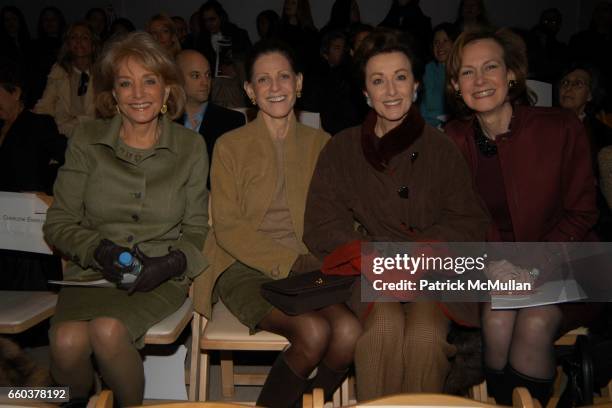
(520, 399)
(157, 368)
(543, 91)
(21, 310)
(226, 334)
(312, 119)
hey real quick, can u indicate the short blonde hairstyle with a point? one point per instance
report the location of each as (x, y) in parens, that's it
(171, 26)
(143, 48)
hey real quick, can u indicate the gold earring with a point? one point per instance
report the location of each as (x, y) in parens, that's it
(458, 94)
(253, 101)
(511, 83)
(163, 109)
(299, 93)
(118, 110)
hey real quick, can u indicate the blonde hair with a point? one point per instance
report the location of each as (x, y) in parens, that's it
(171, 26)
(143, 48)
(65, 57)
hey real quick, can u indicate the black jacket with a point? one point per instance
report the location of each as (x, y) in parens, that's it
(31, 153)
(217, 121)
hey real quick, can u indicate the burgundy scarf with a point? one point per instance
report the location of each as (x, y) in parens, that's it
(379, 151)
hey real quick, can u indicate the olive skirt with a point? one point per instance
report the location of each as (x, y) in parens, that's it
(137, 312)
(238, 287)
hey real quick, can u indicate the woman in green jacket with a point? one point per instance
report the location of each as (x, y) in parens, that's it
(135, 182)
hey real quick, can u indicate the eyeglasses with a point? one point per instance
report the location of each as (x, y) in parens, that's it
(578, 84)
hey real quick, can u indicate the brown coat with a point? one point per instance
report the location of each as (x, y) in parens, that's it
(441, 203)
(243, 181)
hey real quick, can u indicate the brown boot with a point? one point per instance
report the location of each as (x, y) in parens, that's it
(283, 387)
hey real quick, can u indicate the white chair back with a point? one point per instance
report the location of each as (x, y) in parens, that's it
(543, 91)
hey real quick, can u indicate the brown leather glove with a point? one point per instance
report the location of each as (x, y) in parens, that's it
(158, 269)
(306, 263)
(106, 255)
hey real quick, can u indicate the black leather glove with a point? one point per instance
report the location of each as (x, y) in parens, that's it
(106, 255)
(156, 270)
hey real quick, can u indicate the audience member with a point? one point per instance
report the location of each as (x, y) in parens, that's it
(357, 34)
(132, 183)
(433, 103)
(343, 14)
(267, 24)
(28, 144)
(335, 88)
(504, 143)
(202, 116)
(181, 29)
(471, 14)
(14, 34)
(222, 42)
(590, 44)
(69, 94)
(547, 55)
(406, 15)
(225, 46)
(298, 30)
(44, 50)
(581, 90)
(98, 21)
(404, 347)
(163, 30)
(120, 27)
(260, 178)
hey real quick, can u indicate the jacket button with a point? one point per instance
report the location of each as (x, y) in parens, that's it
(130, 238)
(135, 217)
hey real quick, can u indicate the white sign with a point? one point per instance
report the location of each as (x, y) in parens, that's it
(22, 216)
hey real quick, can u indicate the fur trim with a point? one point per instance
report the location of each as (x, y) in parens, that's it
(379, 151)
(466, 366)
(18, 369)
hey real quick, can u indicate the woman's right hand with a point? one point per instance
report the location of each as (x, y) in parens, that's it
(505, 271)
(107, 255)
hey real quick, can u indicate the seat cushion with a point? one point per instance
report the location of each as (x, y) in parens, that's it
(224, 326)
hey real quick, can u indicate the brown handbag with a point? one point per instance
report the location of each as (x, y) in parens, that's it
(308, 291)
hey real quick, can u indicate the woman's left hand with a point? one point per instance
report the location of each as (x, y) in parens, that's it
(156, 270)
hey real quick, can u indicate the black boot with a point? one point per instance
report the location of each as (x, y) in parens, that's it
(539, 389)
(327, 379)
(497, 387)
(283, 387)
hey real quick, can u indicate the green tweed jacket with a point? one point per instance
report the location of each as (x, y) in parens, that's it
(156, 199)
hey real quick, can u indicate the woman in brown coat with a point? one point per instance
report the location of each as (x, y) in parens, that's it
(402, 180)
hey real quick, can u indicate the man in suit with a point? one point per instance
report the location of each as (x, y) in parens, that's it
(202, 116)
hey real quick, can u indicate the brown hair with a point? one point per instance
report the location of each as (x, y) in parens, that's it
(144, 49)
(171, 26)
(515, 59)
(384, 41)
(64, 56)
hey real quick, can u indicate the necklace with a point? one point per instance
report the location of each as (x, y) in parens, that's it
(487, 147)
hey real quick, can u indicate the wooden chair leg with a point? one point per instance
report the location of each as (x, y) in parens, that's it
(345, 392)
(194, 365)
(204, 372)
(227, 373)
